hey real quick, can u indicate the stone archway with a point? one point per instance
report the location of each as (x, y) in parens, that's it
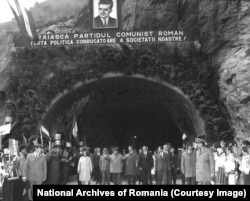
(130, 98)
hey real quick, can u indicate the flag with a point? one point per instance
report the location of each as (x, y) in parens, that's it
(184, 136)
(13, 147)
(24, 20)
(24, 139)
(44, 132)
(75, 128)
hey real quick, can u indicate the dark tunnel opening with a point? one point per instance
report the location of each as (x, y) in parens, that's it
(124, 110)
(126, 128)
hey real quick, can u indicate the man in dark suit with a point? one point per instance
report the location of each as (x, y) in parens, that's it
(104, 20)
(145, 165)
(96, 168)
(166, 164)
(159, 165)
(174, 165)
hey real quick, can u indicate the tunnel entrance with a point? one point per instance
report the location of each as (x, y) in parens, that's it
(123, 110)
(131, 127)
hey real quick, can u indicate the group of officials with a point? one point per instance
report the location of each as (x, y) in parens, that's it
(223, 163)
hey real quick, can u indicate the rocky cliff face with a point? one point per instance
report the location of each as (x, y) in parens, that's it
(221, 27)
(234, 64)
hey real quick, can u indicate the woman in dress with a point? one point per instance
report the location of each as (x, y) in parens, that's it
(220, 159)
(84, 168)
(230, 167)
(245, 165)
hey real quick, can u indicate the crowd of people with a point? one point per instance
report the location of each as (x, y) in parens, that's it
(196, 163)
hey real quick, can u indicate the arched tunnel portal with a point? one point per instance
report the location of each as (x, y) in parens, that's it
(129, 109)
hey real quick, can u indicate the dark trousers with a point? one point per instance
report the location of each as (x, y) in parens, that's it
(183, 180)
(191, 180)
(166, 177)
(65, 174)
(146, 177)
(160, 177)
(78, 181)
(139, 177)
(18, 188)
(169, 177)
(105, 177)
(97, 174)
(116, 178)
(246, 179)
(131, 179)
(156, 177)
(8, 190)
(173, 176)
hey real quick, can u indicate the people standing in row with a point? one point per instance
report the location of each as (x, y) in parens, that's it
(66, 164)
(97, 175)
(77, 158)
(188, 165)
(173, 165)
(205, 167)
(131, 166)
(245, 165)
(19, 185)
(54, 162)
(104, 164)
(166, 164)
(220, 160)
(35, 167)
(84, 168)
(230, 167)
(181, 152)
(116, 164)
(145, 165)
(123, 176)
(159, 166)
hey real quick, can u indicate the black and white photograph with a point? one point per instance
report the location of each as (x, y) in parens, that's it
(161, 100)
(105, 14)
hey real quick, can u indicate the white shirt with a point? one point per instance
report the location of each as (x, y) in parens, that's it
(105, 21)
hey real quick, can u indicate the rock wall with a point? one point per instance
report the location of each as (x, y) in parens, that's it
(221, 27)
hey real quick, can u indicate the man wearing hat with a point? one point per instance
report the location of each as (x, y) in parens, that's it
(205, 165)
(35, 167)
(54, 160)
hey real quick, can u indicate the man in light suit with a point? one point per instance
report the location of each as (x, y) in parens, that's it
(103, 20)
(35, 167)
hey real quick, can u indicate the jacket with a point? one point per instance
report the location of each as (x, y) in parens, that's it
(35, 168)
(131, 167)
(188, 164)
(116, 163)
(205, 165)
